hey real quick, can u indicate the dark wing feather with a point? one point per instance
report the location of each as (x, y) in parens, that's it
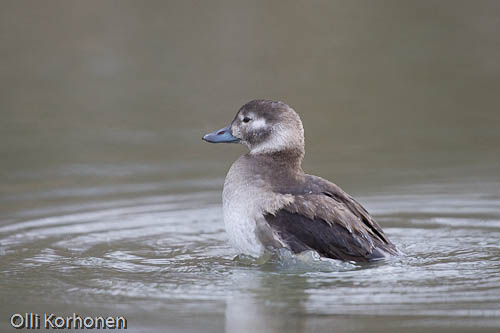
(329, 240)
(358, 210)
(332, 223)
(336, 193)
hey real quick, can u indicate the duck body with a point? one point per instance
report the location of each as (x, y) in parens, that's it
(270, 203)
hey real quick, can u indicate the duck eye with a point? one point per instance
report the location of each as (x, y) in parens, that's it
(246, 119)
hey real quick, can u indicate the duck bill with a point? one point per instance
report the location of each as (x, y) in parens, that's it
(221, 136)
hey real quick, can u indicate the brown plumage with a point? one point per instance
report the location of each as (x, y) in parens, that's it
(267, 190)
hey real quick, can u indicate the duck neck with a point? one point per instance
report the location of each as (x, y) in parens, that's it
(290, 159)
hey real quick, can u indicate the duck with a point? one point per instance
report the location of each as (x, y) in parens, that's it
(269, 203)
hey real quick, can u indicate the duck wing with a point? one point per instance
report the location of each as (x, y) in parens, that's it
(329, 221)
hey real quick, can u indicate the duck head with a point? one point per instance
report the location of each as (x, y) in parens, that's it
(264, 127)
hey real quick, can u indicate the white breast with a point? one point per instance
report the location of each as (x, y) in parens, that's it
(240, 215)
(246, 199)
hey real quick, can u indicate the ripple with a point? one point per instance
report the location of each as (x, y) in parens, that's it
(173, 247)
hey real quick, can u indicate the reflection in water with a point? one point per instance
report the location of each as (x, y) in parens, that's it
(266, 302)
(274, 298)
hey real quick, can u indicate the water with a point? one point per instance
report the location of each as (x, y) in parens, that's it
(110, 203)
(163, 260)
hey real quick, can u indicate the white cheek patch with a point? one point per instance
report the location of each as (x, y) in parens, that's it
(281, 138)
(259, 123)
